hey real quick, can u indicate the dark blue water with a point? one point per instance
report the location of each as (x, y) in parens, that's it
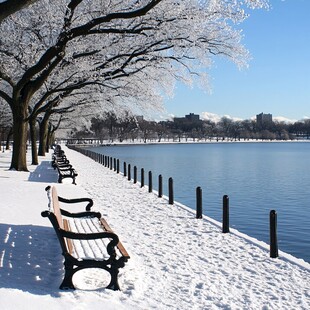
(257, 177)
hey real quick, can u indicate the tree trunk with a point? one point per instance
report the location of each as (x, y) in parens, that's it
(7, 144)
(33, 138)
(51, 136)
(43, 134)
(49, 139)
(20, 127)
(47, 146)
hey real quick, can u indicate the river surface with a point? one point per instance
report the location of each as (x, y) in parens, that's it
(257, 177)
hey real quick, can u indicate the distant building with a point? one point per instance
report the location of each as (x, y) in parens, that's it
(263, 119)
(191, 117)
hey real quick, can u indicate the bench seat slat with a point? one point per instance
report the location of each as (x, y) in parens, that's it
(88, 249)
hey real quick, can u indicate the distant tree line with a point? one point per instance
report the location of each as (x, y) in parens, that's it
(113, 128)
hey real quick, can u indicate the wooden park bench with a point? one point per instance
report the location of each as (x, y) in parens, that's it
(65, 171)
(58, 151)
(63, 166)
(86, 240)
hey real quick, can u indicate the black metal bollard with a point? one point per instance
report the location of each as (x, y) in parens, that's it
(225, 228)
(142, 177)
(273, 234)
(117, 166)
(111, 163)
(129, 172)
(160, 186)
(198, 203)
(170, 187)
(150, 182)
(114, 164)
(135, 174)
(125, 169)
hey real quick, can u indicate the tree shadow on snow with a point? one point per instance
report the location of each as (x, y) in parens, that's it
(44, 173)
(30, 259)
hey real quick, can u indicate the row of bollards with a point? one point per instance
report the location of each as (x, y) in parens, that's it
(113, 163)
(225, 221)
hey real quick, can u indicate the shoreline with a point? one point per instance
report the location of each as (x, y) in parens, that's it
(117, 143)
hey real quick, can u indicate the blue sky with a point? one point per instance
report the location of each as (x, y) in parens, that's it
(278, 78)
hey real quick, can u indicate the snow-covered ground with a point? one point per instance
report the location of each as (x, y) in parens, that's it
(177, 261)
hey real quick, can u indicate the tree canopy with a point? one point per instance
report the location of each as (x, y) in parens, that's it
(125, 52)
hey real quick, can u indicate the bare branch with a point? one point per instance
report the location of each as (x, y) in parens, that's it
(9, 7)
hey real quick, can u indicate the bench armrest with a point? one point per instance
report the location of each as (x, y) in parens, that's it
(66, 167)
(78, 200)
(89, 236)
(80, 214)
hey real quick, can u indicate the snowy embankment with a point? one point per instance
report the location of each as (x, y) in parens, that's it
(177, 261)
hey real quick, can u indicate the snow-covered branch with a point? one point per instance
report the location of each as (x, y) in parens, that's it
(9, 7)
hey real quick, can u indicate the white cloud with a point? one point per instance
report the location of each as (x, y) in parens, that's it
(210, 117)
(284, 119)
(216, 118)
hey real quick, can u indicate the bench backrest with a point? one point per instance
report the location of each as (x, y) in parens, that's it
(66, 243)
(56, 207)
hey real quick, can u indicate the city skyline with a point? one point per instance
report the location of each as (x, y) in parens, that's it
(216, 118)
(277, 80)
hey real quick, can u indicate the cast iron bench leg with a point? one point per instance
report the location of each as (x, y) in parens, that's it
(67, 283)
(113, 285)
